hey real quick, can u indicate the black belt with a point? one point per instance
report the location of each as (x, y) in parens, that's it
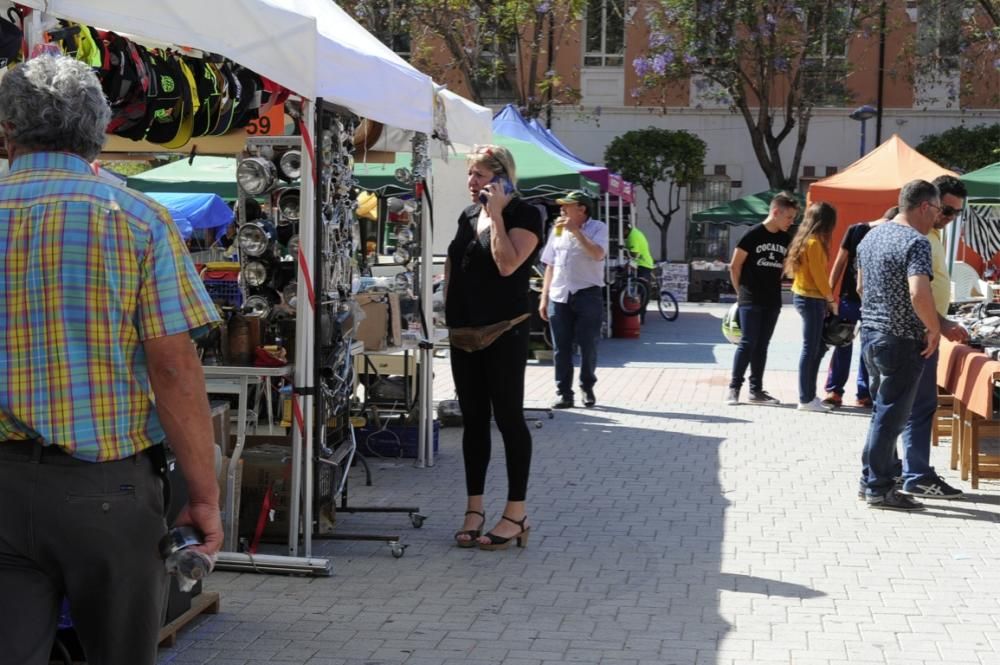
(30, 450)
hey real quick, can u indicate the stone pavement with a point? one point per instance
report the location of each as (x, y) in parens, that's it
(668, 528)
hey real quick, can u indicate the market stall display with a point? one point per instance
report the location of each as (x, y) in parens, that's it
(319, 44)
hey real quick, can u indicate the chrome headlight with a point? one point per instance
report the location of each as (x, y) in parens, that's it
(404, 236)
(293, 246)
(254, 273)
(290, 165)
(401, 256)
(257, 306)
(288, 206)
(255, 175)
(253, 239)
(289, 293)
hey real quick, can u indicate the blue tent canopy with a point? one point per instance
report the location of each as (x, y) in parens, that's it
(509, 122)
(554, 141)
(194, 211)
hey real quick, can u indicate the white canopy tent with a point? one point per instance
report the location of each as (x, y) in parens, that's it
(312, 47)
(318, 51)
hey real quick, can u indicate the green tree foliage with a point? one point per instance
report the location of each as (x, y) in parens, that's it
(485, 42)
(648, 157)
(771, 61)
(963, 149)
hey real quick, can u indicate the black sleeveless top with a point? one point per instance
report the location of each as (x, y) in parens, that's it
(477, 294)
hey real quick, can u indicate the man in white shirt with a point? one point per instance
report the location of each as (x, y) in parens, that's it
(572, 299)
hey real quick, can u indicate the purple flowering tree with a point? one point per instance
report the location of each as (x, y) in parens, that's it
(955, 49)
(485, 42)
(768, 60)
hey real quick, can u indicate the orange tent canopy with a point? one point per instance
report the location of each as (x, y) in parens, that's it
(867, 188)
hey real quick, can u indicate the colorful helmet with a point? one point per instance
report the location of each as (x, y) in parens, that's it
(731, 324)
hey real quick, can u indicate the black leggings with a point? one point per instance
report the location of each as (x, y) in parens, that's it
(488, 382)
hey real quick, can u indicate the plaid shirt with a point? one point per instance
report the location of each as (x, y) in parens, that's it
(89, 271)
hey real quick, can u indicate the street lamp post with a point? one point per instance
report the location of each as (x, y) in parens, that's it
(863, 114)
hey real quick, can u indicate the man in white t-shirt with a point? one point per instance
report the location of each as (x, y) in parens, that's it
(572, 299)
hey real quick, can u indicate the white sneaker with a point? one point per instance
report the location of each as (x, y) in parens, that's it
(733, 397)
(815, 405)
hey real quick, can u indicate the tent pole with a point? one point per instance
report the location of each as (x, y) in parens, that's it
(302, 396)
(425, 359)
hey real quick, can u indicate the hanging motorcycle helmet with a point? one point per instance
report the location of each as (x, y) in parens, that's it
(837, 332)
(731, 324)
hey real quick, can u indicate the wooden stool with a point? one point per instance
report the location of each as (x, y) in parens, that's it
(974, 464)
(941, 424)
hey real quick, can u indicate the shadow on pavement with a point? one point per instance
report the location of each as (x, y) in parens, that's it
(624, 562)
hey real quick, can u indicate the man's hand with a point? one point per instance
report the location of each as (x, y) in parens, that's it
(833, 306)
(954, 332)
(205, 517)
(931, 341)
(543, 308)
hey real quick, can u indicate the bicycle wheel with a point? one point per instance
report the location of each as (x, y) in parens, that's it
(668, 305)
(632, 297)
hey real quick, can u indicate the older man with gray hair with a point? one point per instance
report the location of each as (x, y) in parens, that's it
(98, 299)
(899, 329)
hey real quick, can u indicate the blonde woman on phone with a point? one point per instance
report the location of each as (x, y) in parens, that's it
(487, 282)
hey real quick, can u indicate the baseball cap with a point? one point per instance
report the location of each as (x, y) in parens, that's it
(579, 197)
(10, 42)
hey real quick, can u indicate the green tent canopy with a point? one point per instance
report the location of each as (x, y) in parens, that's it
(984, 183)
(538, 172)
(750, 209)
(205, 175)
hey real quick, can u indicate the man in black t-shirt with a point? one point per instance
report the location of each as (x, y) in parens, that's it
(846, 266)
(756, 269)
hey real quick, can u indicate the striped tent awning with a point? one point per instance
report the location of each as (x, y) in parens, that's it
(981, 228)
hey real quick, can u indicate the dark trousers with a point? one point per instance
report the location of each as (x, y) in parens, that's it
(87, 532)
(756, 327)
(813, 312)
(576, 320)
(840, 359)
(490, 383)
(894, 367)
(646, 276)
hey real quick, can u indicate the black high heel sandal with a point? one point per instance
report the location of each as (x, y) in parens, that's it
(501, 543)
(471, 533)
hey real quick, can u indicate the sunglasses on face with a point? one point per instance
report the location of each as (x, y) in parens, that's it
(948, 211)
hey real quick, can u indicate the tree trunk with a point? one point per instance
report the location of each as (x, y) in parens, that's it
(663, 238)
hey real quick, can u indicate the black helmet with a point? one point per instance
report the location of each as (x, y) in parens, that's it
(837, 332)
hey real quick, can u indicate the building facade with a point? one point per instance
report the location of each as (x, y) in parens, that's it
(594, 56)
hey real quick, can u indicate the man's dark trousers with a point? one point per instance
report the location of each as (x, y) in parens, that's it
(756, 327)
(88, 532)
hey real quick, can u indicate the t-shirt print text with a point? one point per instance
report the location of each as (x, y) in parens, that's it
(768, 255)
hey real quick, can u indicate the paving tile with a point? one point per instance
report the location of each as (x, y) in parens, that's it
(668, 528)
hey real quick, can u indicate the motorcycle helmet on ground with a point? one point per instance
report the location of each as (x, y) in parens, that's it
(731, 324)
(837, 332)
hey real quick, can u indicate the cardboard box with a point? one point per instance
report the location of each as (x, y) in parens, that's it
(266, 465)
(395, 320)
(374, 329)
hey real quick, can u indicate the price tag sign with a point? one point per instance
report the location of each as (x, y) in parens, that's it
(272, 124)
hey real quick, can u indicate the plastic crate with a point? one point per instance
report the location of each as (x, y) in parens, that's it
(224, 291)
(392, 441)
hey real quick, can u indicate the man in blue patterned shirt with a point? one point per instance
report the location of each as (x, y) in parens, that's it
(899, 328)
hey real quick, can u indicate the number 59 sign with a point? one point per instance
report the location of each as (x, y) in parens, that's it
(272, 124)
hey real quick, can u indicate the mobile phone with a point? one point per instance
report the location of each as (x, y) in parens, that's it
(508, 188)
